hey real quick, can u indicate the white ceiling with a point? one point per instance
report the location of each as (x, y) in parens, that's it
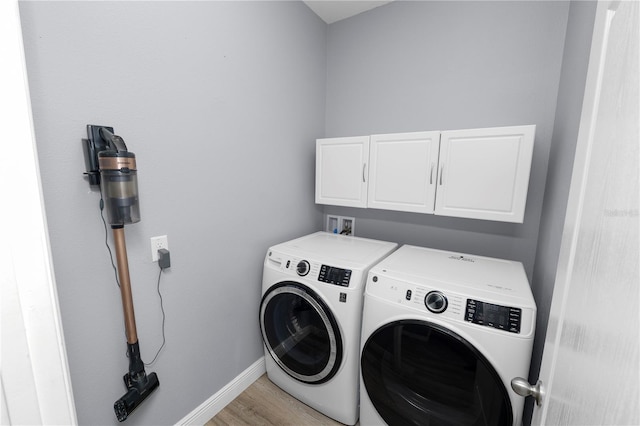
(334, 10)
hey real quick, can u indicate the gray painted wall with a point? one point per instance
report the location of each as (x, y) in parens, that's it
(565, 134)
(221, 103)
(411, 66)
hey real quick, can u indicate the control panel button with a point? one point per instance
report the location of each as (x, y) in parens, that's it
(408, 295)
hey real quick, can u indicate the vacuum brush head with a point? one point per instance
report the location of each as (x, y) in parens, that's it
(138, 391)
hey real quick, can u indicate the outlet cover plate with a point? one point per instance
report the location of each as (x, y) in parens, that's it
(157, 243)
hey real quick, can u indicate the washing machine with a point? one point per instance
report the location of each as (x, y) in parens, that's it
(310, 318)
(443, 334)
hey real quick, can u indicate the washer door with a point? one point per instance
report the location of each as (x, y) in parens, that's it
(420, 373)
(300, 332)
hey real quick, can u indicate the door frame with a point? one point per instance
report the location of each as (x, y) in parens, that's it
(36, 383)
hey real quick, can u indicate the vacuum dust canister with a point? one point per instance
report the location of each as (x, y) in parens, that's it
(119, 182)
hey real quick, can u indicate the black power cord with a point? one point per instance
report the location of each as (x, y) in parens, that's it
(164, 340)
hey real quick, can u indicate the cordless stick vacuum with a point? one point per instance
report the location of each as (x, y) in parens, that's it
(110, 165)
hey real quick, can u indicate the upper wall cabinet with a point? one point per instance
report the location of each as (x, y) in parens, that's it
(341, 171)
(477, 173)
(402, 170)
(484, 173)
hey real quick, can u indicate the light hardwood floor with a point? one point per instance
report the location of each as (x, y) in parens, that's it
(263, 404)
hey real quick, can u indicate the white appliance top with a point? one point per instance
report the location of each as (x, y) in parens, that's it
(354, 251)
(449, 271)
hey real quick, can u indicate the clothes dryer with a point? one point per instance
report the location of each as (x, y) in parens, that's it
(310, 318)
(443, 334)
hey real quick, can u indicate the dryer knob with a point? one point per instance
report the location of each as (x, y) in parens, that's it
(303, 268)
(436, 302)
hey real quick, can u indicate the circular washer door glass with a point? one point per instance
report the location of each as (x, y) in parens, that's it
(418, 373)
(300, 332)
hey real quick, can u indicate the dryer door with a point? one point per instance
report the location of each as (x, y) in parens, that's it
(420, 373)
(300, 332)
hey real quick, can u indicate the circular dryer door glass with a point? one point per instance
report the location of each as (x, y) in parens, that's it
(300, 333)
(419, 373)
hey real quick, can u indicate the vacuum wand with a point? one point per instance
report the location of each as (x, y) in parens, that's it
(139, 384)
(125, 284)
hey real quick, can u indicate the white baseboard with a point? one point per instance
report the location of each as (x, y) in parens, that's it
(224, 396)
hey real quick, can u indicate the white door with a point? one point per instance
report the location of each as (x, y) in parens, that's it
(341, 171)
(402, 171)
(484, 173)
(591, 361)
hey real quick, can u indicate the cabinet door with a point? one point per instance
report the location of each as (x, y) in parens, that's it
(341, 171)
(403, 171)
(484, 173)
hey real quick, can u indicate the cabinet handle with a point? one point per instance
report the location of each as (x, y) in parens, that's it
(364, 168)
(431, 174)
(441, 170)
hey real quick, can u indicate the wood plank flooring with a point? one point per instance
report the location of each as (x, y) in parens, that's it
(265, 404)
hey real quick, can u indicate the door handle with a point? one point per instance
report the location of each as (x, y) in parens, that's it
(364, 168)
(441, 170)
(523, 388)
(433, 165)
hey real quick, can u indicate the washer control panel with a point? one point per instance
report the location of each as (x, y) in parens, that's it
(496, 316)
(333, 275)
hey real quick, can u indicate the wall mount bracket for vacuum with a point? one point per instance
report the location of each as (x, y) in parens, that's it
(94, 144)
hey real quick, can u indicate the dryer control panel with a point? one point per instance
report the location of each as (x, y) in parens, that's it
(496, 316)
(433, 300)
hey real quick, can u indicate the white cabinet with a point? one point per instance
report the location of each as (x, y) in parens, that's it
(402, 171)
(484, 173)
(476, 173)
(341, 171)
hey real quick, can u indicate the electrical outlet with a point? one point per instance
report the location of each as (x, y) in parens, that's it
(158, 243)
